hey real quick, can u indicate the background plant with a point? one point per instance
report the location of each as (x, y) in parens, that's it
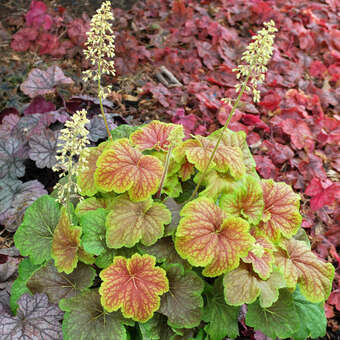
(239, 227)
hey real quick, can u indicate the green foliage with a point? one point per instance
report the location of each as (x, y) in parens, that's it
(167, 270)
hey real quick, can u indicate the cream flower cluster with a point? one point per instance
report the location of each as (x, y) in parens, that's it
(100, 47)
(72, 143)
(256, 56)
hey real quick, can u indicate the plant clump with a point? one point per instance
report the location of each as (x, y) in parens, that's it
(173, 237)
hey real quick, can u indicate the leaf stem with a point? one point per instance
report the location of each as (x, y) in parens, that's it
(101, 103)
(166, 168)
(219, 139)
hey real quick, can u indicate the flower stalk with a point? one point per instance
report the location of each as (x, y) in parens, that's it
(256, 56)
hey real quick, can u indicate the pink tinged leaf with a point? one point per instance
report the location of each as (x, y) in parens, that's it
(199, 150)
(207, 237)
(24, 38)
(245, 201)
(130, 222)
(123, 168)
(154, 135)
(281, 215)
(134, 285)
(85, 179)
(186, 171)
(65, 244)
(242, 285)
(41, 82)
(261, 257)
(300, 265)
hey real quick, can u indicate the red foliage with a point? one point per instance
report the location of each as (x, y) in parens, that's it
(43, 29)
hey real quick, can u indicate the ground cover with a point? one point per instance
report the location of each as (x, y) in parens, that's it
(174, 63)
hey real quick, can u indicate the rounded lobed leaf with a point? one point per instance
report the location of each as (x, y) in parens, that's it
(85, 178)
(261, 257)
(242, 285)
(122, 168)
(245, 201)
(281, 210)
(183, 303)
(85, 319)
(90, 204)
(35, 319)
(134, 285)
(93, 231)
(56, 285)
(278, 321)
(313, 322)
(130, 222)
(222, 319)
(199, 150)
(207, 237)
(65, 244)
(155, 135)
(299, 265)
(34, 237)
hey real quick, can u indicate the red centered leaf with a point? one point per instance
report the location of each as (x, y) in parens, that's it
(130, 222)
(85, 179)
(242, 285)
(281, 210)
(300, 265)
(134, 285)
(65, 244)
(123, 168)
(245, 201)
(199, 150)
(207, 237)
(155, 135)
(261, 257)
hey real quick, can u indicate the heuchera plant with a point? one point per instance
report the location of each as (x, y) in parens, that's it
(170, 238)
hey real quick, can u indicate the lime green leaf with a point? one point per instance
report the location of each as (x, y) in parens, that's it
(245, 201)
(59, 285)
(313, 322)
(25, 270)
(237, 140)
(93, 231)
(85, 319)
(207, 237)
(65, 244)
(183, 303)
(123, 168)
(156, 328)
(279, 320)
(123, 131)
(34, 237)
(215, 183)
(130, 222)
(299, 265)
(281, 210)
(134, 285)
(243, 285)
(222, 319)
